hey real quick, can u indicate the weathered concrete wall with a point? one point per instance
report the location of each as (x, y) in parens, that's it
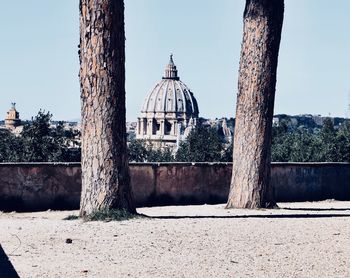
(180, 183)
(311, 181)
(38, 186)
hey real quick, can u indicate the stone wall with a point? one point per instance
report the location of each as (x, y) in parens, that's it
(40, 186)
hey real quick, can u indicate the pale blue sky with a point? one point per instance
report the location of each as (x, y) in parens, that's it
(39, 60)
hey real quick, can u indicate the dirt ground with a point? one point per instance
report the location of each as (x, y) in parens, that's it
(298, 240)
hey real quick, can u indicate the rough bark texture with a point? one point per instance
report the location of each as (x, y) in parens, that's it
(105, 169)
(250, 183)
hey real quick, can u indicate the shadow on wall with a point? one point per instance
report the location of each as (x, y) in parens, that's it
(9, 204)
(6, 268)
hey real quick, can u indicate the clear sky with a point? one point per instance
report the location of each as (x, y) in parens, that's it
(39, 55)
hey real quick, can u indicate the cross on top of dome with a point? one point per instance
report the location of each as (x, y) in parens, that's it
(171, 61)
(170, 70)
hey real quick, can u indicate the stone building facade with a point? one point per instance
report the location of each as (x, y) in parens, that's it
(12, 119)
(169, 111)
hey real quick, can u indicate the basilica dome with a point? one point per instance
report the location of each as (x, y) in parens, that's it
(168, 110)
(171, 95)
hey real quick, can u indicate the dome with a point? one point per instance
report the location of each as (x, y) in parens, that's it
(171, 95)
(168, 110)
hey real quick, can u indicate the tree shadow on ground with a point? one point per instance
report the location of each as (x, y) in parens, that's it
(249, 216)
(6, 268)
(318, 209)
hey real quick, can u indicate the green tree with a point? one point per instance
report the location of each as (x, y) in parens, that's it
(281, 141)
(202, 144)
(42, 143)
(304, 146)
(329, 151)
(11, 147)
(137, 150)
(227, 152)
(146, 151)
(67, 146)
(294, 145)
(311, 145)
(163, 154)
(38, 144)
(343, 140)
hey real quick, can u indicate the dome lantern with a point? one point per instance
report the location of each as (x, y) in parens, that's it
(170, 70)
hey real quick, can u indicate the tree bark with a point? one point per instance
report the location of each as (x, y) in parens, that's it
(250, 183)
(105, 169)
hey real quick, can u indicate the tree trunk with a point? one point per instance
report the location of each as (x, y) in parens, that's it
(250, 183)
(105, 169)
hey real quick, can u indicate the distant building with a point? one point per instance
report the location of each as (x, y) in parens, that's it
(318, 119)
(275, 121)
(169, 111)
(12, 119)
(226, 130)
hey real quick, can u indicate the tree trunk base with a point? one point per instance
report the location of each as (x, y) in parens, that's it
(233, 203)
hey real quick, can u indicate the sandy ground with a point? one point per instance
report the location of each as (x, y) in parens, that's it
(301, 240)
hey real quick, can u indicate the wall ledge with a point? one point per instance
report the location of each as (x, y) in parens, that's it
(173, 163)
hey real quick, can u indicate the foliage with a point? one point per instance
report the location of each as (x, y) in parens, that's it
(71, 217)
(202, 144)
(10, 147)
(39, 142)
(110, 215)
(305, 145)
(330, 146)
(146, 151)
(343, 141)
(297, 146)
(227, 154)
(137, 150)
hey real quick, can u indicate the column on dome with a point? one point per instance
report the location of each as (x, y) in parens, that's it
(149, 126)
(142, 126)
(162, 130)
(174, 128)
(139, 126)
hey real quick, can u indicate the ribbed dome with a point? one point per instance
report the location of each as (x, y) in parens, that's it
(171, 95)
